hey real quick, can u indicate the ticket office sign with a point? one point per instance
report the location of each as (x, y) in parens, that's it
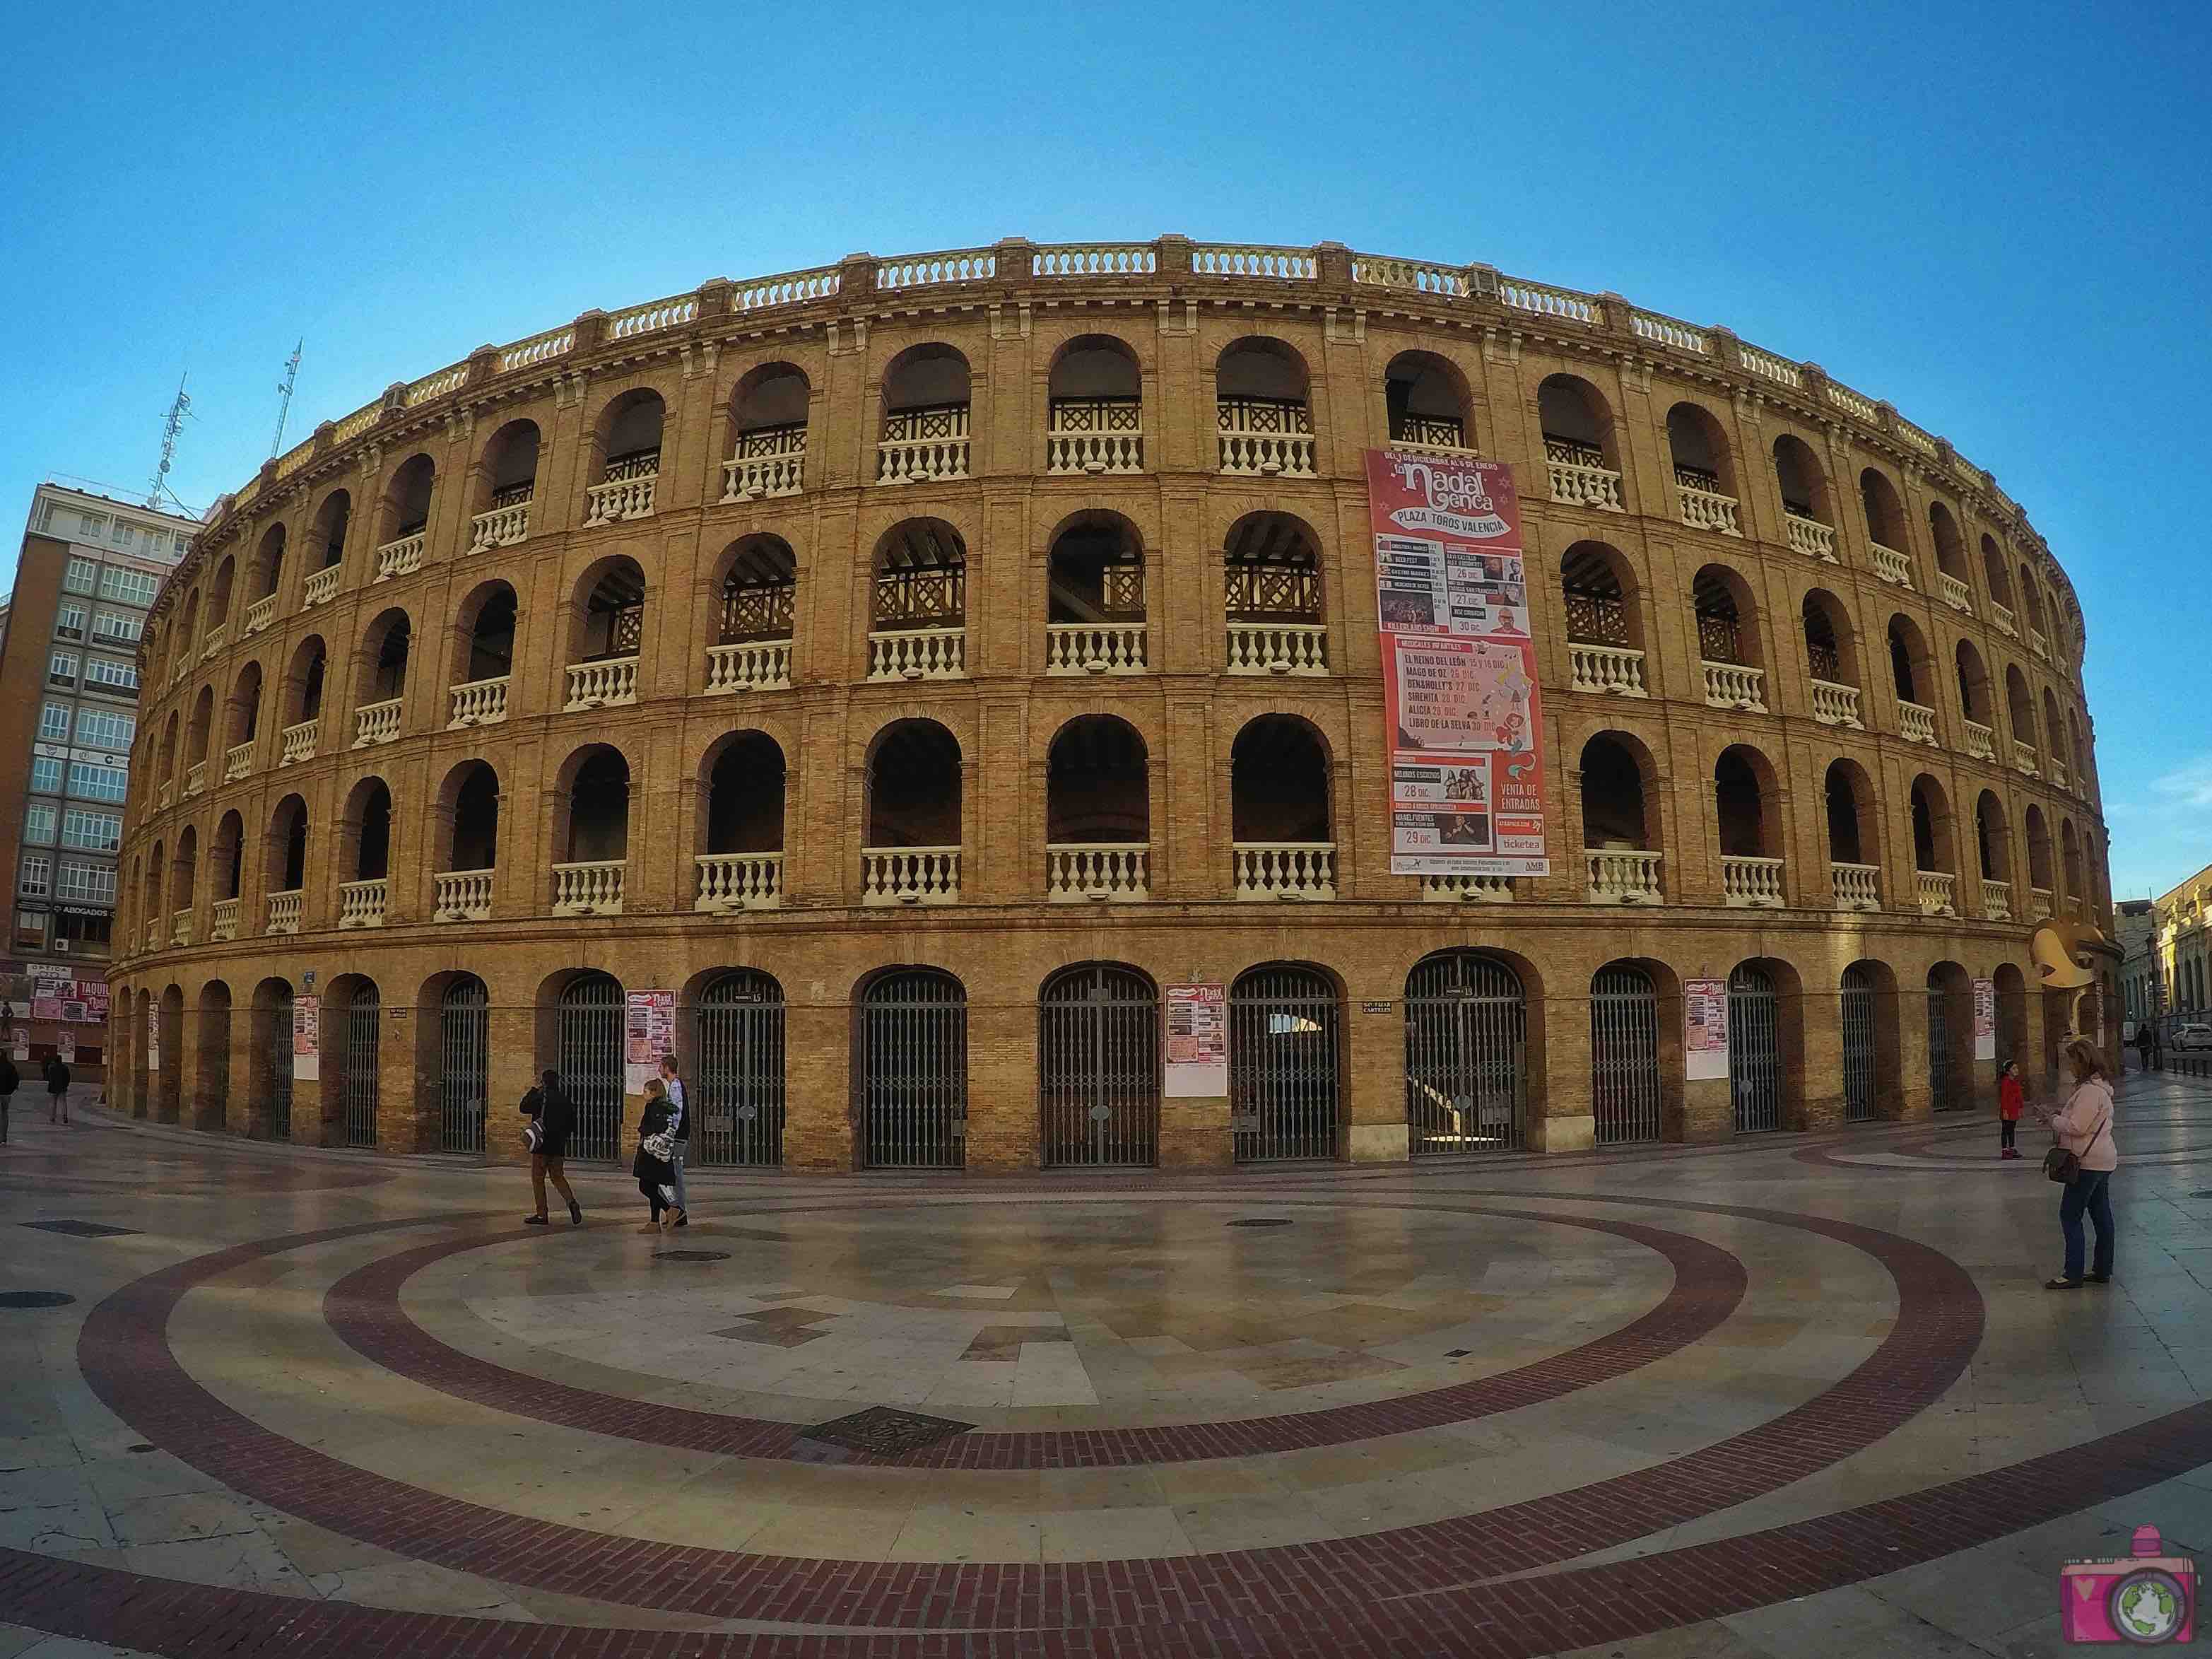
(1461, 705)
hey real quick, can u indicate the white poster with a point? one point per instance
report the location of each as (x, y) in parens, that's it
(1705, 1029)
(1198, 1041)
(649, 1032)
(306, 1041)
(153, 1036)
(65, 1045)
(1985, 1019)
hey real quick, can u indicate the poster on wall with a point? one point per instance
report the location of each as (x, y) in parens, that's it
(1985, 1019)
(648, 1032)
(1461, 714)
(65, 1046)
(1704, 1028)
(307, 1040)
(1198, 1041)
(153, 1037)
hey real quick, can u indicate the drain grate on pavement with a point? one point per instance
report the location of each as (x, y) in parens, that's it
(880, 1431)
(691, 1255)
(35, 1299)
(83, 1229)
(1263, 1221)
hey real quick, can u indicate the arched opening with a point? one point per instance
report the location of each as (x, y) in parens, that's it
(380, 685)
(2038, 865)
(926, 397)
(1621, 827)
(1912, 673)
(1579, 451)
(1804, 486)
(2054, 737)
(506, 480)
(2031, 605)
(1095, 598)
(608, 624)
(1266, 426)
(303, 698)
(1098, 1067)
(737, 1090)
(169, 731)
(218, 611)
(1740, 804)
(2011, 1014)
(212, 1087)
(912, 855)
(919, 614)
(1950, 547)
(1764, 1045)
(1427, 399)
(912, 1076)
(1467, 1060)
(1934, 858)
(202, 727)
(1728, 639)
(627, 440)
(592, 833)
(1867, 1007)
(284, 871)
(1095, 404)
(759, 591)
(484, 656)
(1993, 852)
(468, 804)
(767, 418)
(326, 538)
(227, 868)
(1855, 876)
(1097, 812)
(1279, 793)
(156, 913)
(184, 882)
(1271, 594)
(406, 508)
(464, 1061)
(1999, 579)
(1285, 1072)
(1828, 654)
(742, 868)
(1605, 628)
(270, 1062)
(367, 830)
(188, 632)
(1627, 1094)
(585, 1046)
(2069, 852)
(242, 722)
(1705, 473)
(1950, 1038)
(268, 564)
(1974, 701)
(2020, 707)
(1884, 514)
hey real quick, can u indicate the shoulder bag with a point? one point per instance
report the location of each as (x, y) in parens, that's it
(2063, 1165)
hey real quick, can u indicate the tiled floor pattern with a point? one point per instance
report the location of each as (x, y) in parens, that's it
(1799, 1396)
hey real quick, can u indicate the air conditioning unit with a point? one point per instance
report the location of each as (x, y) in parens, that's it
(61, 947)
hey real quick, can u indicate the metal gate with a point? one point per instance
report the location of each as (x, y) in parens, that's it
(276, 1038)
(591, 1022)
(465, 1063)
(1858, 1044)
(1284, 1080)
(736, 1092)
(1466, 1033)
(1625, 1091)
(1943, 1094)
(364, 1018)
(913, 1071)
(1754, 1049)
(1098, 1067)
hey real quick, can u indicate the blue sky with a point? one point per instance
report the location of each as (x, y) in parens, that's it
(1995, 215)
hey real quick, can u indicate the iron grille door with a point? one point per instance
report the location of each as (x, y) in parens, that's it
(464, 1052)
(363, 1017)
(1467, 1030)
(1625, 1088)
(278, 1037)
(1283, 1075)
(591, 1019)
(737, 1097)
(913, 1072)
(1943, 1095)
(1098, 1069)
(1858, 1045)
(1754, 1051)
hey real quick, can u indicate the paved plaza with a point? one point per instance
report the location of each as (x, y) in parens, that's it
(1800, 1395)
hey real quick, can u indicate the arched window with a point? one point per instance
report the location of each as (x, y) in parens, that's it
(1974, 697)
(1912, 674)
(2069, 848)
(1854, 865)
(218, 609)
(2039, 864)
(267, 563)
(198, 735)
(1278, 791)
(365, 840)
(1803, 483)
(226, 866)
(919, 614)
(1266, 426)
(185, 887)
(404, 510)
(912, 855)
(1743, 793)
(2031, 605)
(284, 869)
(742, 868)
(2020, 707)
(1950, 549)
(469, 806)
(1885, 517)
(926, 394)
(768, 415)
(506, 481)
(1993, 855)
(1935, 859)
(2000, 581)
(1097, 812)
(326, 540)
(592, 832)
(1620, 836)
(757, 598)
(1098, 1066)
(1095, 598)
(628, 444)
(1272, 594)
(188, 632)
(1579, 451)
(910, 1079)
(1605, 627)
(606, 634)
(2054, 737)
(1427, 399)
(1728, 639)
(1466, 1039)
(484, 656)
(1704, 475)
(1095, 397)
(381, 690)
(1829, 655)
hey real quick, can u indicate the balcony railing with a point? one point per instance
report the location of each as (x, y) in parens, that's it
(167, 795)
(1095, 435)
(402, 557)
(1446, 433)
(918, 653)
(614, 500)
(237, 761)
(196, 778)
(1256, 647)
(1095, 647)
(1750, 883)
(1981, 742)
(1474, 889)
(1706, 509)
(909, 875)
(222, 920)
(2058, 774)
(260, 614)
(1731, 686)
(2039, 644)
(1608, 668)
(1580, 477)
(1076, 871)
(181, 928)
(1915, 724)
(2002, 616)
(299, 742)
(919, 446)
(739, 881)
(1265, 437)
(770, 461)
(216, 637)
(2039, 905)
(1937, 893)
(1955, 593)
(321, 585)
(2023, 756)
(478, 702)
(1856, 886)
(1892, 566)
(1283, 869)
(284, 912)
(462, 895)
(593, 889)
(609, 682)
(1836, 705)
(360, 903)
(502, 527)
(1622, 875)
(1810, 537)
(754, 666)
(376, 722)
(1996, 900)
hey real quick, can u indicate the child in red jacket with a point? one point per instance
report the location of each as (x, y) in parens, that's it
(2010, 1098)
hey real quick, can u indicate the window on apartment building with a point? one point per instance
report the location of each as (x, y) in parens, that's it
(81, 576)
(92, 525)
(47, 773)
(89, 884)
(61, 668)
(90, 832)
(35, 876)
(115, 626)
(30, 930)
(69, 621)
(38, 824)
(90, 934)
(129, 587)
(54, 723)
(98, 729)
(106, 674)
(87, 781)
(125, 533)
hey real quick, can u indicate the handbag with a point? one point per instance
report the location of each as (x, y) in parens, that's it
(661, 1145)
(2063, 1165)
(533, 1132)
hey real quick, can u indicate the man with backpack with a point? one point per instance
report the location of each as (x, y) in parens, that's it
(57, 1087)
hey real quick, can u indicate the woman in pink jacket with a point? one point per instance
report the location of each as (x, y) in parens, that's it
(2084, 1126)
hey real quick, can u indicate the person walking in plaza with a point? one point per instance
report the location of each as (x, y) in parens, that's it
(680, 1125)
(57, 1087)
(2143, 1042)
(10, 1080)
(552, 1117)
(2084, 1127)
(2010, 1098)
(654, 1166)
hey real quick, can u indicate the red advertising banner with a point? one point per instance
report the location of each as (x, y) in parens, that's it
(1461, 708)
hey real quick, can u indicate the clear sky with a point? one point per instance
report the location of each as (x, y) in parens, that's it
(1995, 215)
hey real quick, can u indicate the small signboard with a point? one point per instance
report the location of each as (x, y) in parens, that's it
(1985, 1019)
(1198, 1042)
(648, 1032)
(307, 1040)
(1705, 1029)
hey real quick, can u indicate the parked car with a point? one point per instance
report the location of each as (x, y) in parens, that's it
(2191, 1036)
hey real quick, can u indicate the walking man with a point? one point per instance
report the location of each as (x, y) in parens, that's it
(57, 1087)
(10, 1081)
(680, 1125)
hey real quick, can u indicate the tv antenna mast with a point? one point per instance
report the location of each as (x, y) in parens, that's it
(172, 424)
(284, 394)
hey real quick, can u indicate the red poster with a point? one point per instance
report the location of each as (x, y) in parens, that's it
(1461, 712)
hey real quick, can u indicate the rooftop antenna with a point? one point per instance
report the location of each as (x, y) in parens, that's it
(284, 393)
(172, 424)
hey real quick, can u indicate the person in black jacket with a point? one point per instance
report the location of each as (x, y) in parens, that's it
(10, 1080)
(57, 1087)
(654, 1166)
(552, 1114)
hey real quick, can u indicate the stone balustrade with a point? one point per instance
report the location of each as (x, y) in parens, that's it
(1955, 593)
(590, 889)
(2023, 757)
(195, 778)
(1855, 886)
(502, 527)
(1750, 883)
(2057, 768)
(1262, 438)
(284, 911)
(402, 557)
(360, 903)
(217, 637)
(1810, 537)
(478, 702)
(260, 614)
(1580, 479)
(376, 722)
(237, 761)
(1076, 870)
(165, 796)
(1283, 869)
(609, 682)
(770, 461)
(1731, 686)
(462, 895)
(1095, 435)
(1915, 724)
(1473, 889)
(1706, 509)
(918, 653)
(222, 920)
(1996, 900)
(1891, 565)
(1610, 668)
(1981, 741)
(2002, 616)
(1937, 891)
(1256, 647)
(909, 875)
(1095, 647)
(1620, 875)
(753, 665)
(923, 446)
(616, 501)
(321, 585)
(2039, 905)
(729, 881)
(181, 928)
(2038, 643)
(1836, 705)
(298, 743)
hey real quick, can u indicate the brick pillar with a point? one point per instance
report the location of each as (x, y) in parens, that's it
(1375, 1068)
(818, 1128)
(1002, 1080)
(1560, 1118)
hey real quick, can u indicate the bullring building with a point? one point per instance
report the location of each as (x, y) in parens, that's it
(893, 684)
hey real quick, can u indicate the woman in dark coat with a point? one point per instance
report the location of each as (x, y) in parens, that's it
(655, 1164)
(553, 1115)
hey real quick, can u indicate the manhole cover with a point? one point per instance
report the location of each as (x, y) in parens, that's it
(83, 1229)
(691, 1255)
(35, 1299)
(1263, 1221)
(1458, 1354)
(881, 1431)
